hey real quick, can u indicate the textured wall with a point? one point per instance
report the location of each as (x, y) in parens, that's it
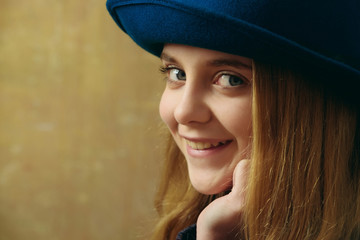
(79, 142)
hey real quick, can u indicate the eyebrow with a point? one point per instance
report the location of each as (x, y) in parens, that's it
(227, 62)
(166, 57)
(216, 62)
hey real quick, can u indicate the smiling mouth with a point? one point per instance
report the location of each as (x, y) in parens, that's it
(206, 145)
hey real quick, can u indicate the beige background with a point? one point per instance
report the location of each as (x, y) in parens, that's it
(80, 133)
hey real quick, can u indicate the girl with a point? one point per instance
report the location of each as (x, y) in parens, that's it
(262, 114)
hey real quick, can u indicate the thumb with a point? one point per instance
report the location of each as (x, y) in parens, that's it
(240, 179)
(220, 219)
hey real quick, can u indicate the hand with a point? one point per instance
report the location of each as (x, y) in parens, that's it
(221, 219)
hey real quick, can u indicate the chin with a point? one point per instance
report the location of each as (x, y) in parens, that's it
(210, 185)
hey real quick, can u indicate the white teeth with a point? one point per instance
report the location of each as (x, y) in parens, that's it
(203, 145)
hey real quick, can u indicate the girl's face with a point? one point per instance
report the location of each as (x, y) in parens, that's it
(207, 107)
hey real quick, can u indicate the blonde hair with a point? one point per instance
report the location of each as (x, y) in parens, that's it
(305, 169)
(304, 180)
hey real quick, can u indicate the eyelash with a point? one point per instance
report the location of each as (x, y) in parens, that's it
(165, 70)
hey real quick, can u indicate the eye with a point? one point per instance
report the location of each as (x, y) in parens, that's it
(176, 74)
(227, 80)
(173, 74)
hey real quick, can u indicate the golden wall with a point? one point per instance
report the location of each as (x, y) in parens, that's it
(79, 143)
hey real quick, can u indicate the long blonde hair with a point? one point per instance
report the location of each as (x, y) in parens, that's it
(305, 170)
(304, 180)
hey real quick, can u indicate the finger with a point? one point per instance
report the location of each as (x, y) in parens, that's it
(240, 177)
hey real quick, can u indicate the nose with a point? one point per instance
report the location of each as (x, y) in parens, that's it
(192, 106)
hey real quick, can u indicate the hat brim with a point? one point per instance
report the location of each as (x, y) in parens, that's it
(152, 23)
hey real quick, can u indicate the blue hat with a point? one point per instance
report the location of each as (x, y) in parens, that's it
(316, 33)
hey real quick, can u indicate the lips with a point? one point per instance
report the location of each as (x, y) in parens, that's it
(206, 145)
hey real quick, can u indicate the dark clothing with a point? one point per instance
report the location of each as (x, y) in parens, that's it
(188, 233)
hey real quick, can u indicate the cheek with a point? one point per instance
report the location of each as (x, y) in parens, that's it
(166, 110)
(239, 122)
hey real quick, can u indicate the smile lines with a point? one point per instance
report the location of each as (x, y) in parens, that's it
(205, 145)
